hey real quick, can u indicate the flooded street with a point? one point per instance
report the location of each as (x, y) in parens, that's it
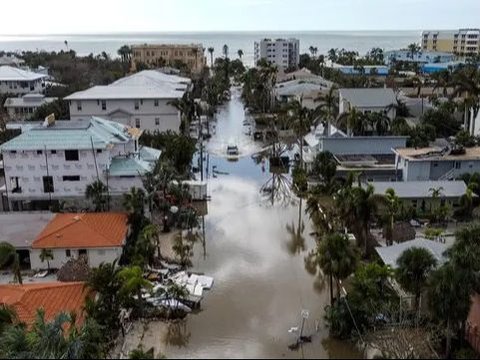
(261, 285)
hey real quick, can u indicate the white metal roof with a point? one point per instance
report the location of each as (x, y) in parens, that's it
(9, 73)
(148, 84)
(390, 254)
(421, 189)
(32, 100)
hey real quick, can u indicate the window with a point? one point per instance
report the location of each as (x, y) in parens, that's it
(79, 105)
(458, 165)
(99, 151)
(104, 105)
(68, 253)
(53, 152)
(48, 184)
(39, 152)
(71, 178)
(137, 123)
(155, 103)
(157, 121)
(71, 155)
(137, 105)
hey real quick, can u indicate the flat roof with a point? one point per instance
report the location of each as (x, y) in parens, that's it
(28, 101)
(421, 189)
(369, 97)
(10, 73)
(21, 229)
(437, 154)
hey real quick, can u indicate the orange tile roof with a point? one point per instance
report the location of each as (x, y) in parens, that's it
(53, 298)
(82, 231)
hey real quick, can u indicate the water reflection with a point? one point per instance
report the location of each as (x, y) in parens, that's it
(296, 245)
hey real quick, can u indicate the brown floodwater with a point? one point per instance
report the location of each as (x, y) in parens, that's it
(253, 252)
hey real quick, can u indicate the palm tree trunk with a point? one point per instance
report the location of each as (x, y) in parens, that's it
(331, 289)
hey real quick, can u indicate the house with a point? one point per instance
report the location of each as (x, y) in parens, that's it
(284, 53)
(461, 42)
(369, 70)
(419, 194)
(390, 254)
(306, 91)
(20, 230)
(19, 82)
(11, 60)
(56, 161)
(99, 237)
(422, 57)
(54, 298)
(141, 100)
(368, 100)
(22, 108)
(436, 163)
(192, 55)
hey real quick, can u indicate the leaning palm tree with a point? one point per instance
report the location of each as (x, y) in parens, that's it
(46, 255)
(97, 192)
(10, 258)
(240, 53)
(211, 50)
(133, 283)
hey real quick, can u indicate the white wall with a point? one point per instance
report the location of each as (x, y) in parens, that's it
(95, 257)
(22, 87)
(124, 112)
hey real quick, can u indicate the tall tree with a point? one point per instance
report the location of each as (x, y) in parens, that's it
(46, 255)
(328, 108)
(97, 192)
(240, 53)
(225, 51)
(414, 267)
(134, 202)
(211, 50)
(132, 283)
(466, 82)
(10, 258)
(353, 121)
(392, 203)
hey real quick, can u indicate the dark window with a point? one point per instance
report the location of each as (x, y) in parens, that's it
(39, 152)
(155, 103)
(82, 252)
(137, 105)
(137, 123)
(71, 155)
(13, 152)
(48, 184)
(104, 105)
(53, 152)
(157, 121)
(79, 105)
(99, 151)
(68, 253)
(71, 178)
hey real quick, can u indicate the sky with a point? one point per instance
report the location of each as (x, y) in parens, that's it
(114, 16)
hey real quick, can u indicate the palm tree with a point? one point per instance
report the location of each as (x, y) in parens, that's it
(378, 121)
(337, 258)
(46, 255)
(332, 55)
(66, 44)
(354, 121)
(133, 283)
(134, 202)
(9, 258)
(183, 250)
(97, 192)
(325, 167)
(8, 317)
(186, 106)
(125, 53)
(302, 120)
(392, 202)
(211, 50)
(240, 53)
(414, 48)
(150, 234)
(225, 51)
(466, 201)
(414, 267)
(436, 194)
(467, 83)
(449, 300)
(329, 107)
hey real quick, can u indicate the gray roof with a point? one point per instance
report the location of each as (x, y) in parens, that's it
(29, 100)
(64, 135)
(21, 229)
(369, 97)
(9, 73)
(421, 189)
(390, 254)
(129, 166)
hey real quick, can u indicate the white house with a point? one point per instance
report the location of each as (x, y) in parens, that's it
(140, 100)
(21, 108)
(368, 100)
(18, 82)
(100, 237)
(11, 60)
(435, 163)
(49, 164)
(284, 53)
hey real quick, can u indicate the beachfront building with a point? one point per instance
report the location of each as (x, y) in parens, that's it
(11, 60)
(284, 53)
(422, 57)
(53, 297)
(158, 55)
(98, 237)
(368, 100)
(47, 165)
(435, 163)
(22, 108)
(141, 100)
(461, 42)
(19, 82)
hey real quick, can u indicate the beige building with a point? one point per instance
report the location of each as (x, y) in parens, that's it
(461, 42)
(192, 55)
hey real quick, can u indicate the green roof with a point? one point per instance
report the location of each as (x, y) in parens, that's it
(70, 135)
(129, 166)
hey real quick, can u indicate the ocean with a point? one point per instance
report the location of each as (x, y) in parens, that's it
(361, 41)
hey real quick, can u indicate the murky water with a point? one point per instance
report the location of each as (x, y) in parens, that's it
(251, 250)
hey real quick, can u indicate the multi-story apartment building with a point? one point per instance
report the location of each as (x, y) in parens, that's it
(462, 42)
(141, 100)
(19, 82)
(22, 108)
(285, 53)
(56, 161)
(167, 54)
